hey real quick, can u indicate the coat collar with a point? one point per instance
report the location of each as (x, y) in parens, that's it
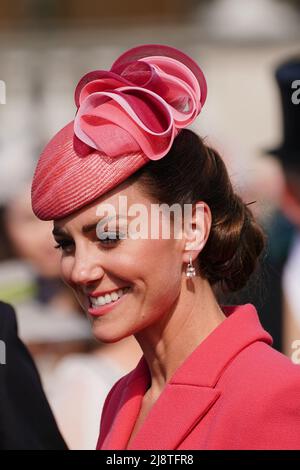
(190, 392)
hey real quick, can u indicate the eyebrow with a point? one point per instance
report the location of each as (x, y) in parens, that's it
(59, 232)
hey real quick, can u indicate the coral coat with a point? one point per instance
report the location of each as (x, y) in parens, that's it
(233, 392)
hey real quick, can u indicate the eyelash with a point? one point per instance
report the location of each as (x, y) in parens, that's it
(64, 244)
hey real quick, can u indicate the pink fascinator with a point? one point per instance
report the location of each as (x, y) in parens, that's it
(125, 117)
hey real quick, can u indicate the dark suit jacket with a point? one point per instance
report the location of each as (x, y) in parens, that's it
(26, 420)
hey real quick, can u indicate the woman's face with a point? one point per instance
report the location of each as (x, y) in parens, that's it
(30, 236)
(152, 269)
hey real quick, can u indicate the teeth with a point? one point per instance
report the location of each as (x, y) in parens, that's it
(108, 298)
(114, 296)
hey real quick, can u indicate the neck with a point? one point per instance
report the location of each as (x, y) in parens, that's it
(191, 319)
(126, 353)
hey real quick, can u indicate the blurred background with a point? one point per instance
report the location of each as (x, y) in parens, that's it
(45, 48)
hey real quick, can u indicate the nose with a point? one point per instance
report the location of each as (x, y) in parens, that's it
(86, 268)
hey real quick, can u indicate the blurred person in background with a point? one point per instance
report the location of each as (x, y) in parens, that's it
(284, 231)
(274, 287)
(29, 240)
(26, 420)
(30, 280)
(77, 372)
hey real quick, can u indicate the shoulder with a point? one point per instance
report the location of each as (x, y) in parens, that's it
(8, 322)
(266, 363)
(259, 366)
(6, 310)
(262, 386)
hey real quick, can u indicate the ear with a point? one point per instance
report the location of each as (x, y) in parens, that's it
(196, 230)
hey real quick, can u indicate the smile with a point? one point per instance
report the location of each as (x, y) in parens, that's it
(106, 299)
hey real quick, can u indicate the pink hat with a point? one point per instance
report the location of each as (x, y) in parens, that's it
(126, 117)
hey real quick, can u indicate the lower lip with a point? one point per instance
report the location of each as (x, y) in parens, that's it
(103, 309)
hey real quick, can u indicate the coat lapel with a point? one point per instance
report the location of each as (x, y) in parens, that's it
(182, 407)
(128, 409)
(192, 390)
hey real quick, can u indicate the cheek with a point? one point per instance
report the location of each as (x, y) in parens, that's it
(22, 238)
(169, 274)
(66, 264)
(145, 259)
(159, 266)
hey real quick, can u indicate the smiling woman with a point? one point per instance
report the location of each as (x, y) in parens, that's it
(129, 141)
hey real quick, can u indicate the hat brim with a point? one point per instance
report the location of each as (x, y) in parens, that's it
(76, 180)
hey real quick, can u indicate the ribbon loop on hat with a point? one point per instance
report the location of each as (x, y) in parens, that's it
(148, 100)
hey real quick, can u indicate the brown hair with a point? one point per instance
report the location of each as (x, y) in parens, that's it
(193, 172)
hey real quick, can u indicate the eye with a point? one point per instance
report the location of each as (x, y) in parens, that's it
(65, 245)
(110, 238)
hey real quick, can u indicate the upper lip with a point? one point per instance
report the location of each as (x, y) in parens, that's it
(98, 293)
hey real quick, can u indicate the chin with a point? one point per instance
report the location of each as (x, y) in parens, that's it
(107, 335)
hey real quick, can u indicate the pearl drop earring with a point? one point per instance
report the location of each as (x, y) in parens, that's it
(190, 270)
